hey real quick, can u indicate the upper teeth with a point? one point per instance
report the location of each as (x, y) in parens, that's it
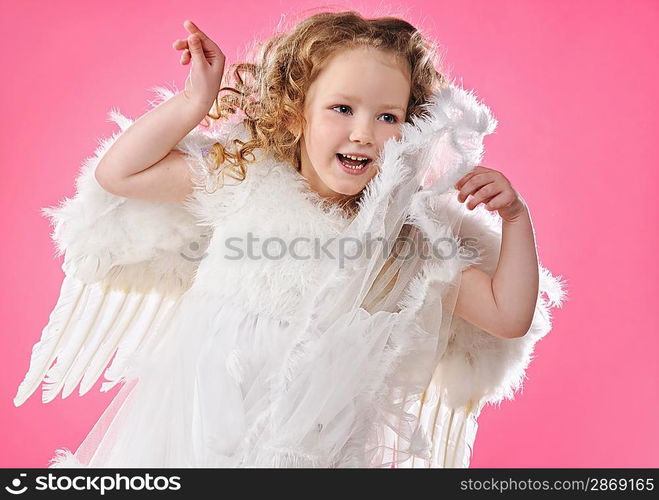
(358, 158)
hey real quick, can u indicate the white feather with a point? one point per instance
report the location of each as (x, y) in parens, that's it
(116, 252)
(44, 351)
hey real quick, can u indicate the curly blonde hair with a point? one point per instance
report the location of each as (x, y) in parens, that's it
(271, 91)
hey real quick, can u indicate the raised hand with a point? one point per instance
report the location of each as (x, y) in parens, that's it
(491, 188)
(205, 76)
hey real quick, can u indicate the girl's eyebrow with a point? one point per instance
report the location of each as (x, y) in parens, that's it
(356, 99)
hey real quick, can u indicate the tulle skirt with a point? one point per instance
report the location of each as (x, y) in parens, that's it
(193, 396)
(226, 387)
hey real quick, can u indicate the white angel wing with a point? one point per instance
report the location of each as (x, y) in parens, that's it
(477, 368)
(89, 323)
(127, 264)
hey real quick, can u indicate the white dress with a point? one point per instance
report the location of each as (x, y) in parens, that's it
(197, 397)
(208, 347)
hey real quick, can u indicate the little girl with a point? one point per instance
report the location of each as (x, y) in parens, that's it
(229, 268)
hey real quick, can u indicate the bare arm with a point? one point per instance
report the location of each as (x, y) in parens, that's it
(168, 180)
(142, 163)
(503, 305)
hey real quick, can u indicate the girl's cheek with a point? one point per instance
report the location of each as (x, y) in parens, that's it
(388, 134)
(330, 124)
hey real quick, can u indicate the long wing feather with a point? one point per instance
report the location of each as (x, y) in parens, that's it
(130, 307)
(89, 324)
(147, 326)
(44, 352)
(125, 270)
(74, 341)
(107, 321)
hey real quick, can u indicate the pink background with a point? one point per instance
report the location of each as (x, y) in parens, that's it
(574, 87)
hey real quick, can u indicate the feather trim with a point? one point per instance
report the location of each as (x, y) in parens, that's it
(64, 459)
(478, 367)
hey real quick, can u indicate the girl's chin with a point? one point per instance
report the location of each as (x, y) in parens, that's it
(339, 184)
(346, 188)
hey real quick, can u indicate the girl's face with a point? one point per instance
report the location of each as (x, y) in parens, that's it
(356, 103)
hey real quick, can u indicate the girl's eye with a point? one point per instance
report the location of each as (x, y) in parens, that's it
(392, 116)
(394, 119)
(341, 106)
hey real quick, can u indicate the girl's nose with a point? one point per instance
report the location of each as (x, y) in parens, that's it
(362, 133)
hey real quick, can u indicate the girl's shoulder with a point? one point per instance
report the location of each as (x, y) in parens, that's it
(217, 193)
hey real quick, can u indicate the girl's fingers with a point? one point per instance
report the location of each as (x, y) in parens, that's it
(483, 195)
(197, 50)
(207, 43)
(495, 202)
(476, 182)
(192, 28)
(461, 182)
(476, 170)
(185, 57)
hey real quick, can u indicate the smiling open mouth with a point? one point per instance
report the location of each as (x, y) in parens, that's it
(351, 163)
